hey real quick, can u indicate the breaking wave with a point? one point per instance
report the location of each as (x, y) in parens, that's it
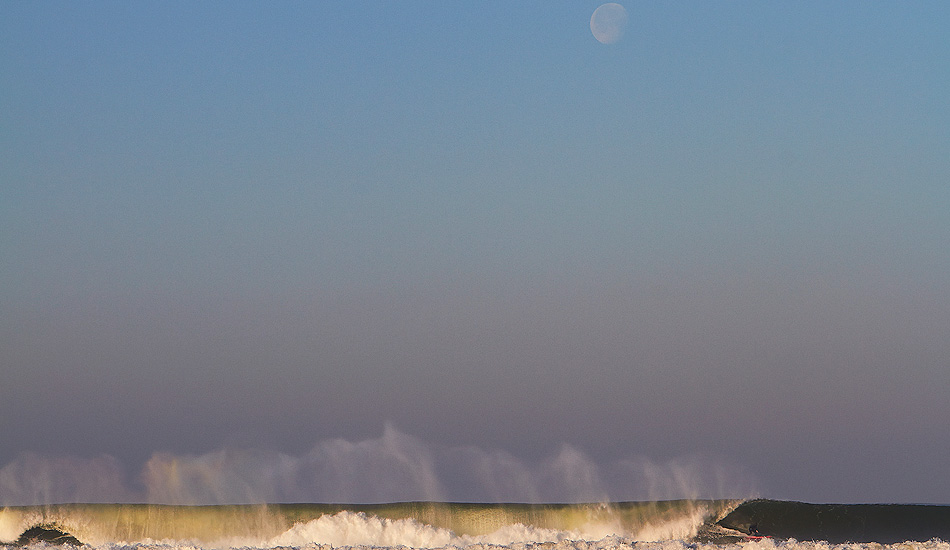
(661, 525)
(410, 524)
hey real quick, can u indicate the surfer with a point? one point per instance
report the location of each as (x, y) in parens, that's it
(754, 529)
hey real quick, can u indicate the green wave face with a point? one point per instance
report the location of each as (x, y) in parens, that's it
(258, 524)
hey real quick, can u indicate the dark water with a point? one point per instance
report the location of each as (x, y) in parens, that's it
(840, 523)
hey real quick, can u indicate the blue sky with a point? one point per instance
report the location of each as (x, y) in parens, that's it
(247, 225)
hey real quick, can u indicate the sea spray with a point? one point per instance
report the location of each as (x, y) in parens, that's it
(33, 478)
(394, 467)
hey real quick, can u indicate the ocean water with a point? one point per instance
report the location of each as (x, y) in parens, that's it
(668, 525)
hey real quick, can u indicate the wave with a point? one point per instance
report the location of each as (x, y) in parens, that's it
(671, 524)
(411, 524)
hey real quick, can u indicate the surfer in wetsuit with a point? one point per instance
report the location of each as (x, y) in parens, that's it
(754, 529)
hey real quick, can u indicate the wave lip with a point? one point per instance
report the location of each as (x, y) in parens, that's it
(840, 523)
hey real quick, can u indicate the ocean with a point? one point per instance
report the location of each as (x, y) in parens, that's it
(669, 525)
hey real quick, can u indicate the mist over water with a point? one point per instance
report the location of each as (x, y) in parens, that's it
(37, 479)
(391, 468)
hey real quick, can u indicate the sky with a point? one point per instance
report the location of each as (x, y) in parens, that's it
(401, 250)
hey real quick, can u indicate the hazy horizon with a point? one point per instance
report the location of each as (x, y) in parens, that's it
(720, 241)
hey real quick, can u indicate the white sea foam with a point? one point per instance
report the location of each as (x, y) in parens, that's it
(682, 528)
(357, 529)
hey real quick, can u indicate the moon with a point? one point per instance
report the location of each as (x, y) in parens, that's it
(608, 22)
